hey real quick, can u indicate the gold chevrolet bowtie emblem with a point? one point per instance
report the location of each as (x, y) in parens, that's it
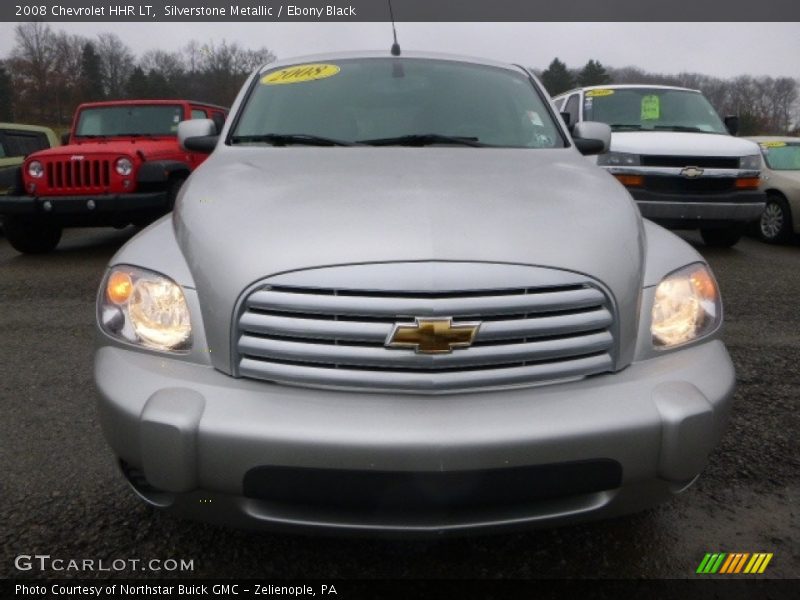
(432, 335)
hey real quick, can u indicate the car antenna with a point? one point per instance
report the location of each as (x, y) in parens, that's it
(395, 45)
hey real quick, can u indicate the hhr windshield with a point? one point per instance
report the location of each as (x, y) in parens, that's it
(388, 102)
(652, 109)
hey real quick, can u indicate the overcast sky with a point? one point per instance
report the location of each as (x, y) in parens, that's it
(721, 49)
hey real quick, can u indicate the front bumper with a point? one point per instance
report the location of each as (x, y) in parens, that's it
(56, 207)
(699, 210)
(199, 437)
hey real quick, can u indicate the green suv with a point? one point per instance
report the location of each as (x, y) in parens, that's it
(16, 142)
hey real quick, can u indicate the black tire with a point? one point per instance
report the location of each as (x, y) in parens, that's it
(775, 224)
(724, 237)
(31, 237)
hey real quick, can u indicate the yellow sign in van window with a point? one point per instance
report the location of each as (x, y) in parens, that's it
(651, 108)
(300, 74)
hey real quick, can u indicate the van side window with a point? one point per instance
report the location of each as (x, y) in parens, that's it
(572, 107)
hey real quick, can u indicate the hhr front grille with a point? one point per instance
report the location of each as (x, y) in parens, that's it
(337, 337)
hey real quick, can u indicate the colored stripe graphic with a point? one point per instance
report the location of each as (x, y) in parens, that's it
(733, 563)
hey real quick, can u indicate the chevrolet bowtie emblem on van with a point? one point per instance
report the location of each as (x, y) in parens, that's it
(692, 172)
(432, 335)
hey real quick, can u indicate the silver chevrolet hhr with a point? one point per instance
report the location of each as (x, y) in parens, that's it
(396, 298)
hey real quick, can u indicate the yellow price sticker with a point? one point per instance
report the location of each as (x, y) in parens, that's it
(300, 74)
(773, 144)
(598, 93)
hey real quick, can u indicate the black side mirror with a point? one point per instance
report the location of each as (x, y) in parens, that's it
(567, 119)
(732, 124)
(65, 138)
(201, 143)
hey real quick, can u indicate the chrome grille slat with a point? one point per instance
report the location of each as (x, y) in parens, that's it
(343, 355)
(429, 382)
(422, 307)
(319, 329)
(562, 328)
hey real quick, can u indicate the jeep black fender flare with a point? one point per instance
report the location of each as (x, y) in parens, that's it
(161, 171)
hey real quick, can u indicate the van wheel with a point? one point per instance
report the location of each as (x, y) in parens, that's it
(724, 237)
(31, 237)
(775, 226)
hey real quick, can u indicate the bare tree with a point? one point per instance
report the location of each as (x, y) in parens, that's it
(117, 64)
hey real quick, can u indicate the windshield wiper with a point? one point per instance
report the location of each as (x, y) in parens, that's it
(625, 126)
(288, 139)
(681, 128)
(424, 139)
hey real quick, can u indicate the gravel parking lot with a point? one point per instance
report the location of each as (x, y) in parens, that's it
(62, 495)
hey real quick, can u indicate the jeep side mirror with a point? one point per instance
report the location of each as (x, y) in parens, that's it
(591, 137)
(65, 138)
(198, 135)
(732, 124)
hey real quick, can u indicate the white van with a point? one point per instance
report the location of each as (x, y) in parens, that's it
(675, 155)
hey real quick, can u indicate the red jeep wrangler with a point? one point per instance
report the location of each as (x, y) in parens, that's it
(122, 164)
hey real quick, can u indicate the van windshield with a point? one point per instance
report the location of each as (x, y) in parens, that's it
(396, 101)
(646, 108)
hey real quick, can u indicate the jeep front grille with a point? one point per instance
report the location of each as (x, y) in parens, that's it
(78, 175)
(336, 337)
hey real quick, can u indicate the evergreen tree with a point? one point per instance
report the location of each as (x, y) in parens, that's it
(6, 97)
(557, 78)
(593, 73)
(91, 74)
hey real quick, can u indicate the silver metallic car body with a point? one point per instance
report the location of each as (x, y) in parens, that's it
(189, 428)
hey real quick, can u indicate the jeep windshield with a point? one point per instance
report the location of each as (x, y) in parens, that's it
(129, 120)
(781, 156)
(652, 109)
(395, 102)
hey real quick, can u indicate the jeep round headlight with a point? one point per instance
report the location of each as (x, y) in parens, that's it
(750, 163)
(35, 169)
(686, 307)
(144, 308)
(124, 166)
(618, 159)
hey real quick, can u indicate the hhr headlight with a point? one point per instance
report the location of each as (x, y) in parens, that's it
(618, 159)
(145, 308)
(687, 306)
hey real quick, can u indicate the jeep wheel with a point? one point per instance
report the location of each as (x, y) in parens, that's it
(31, 237)
(775, 226)
(724, 237)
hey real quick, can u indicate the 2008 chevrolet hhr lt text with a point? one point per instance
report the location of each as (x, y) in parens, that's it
(396, 298)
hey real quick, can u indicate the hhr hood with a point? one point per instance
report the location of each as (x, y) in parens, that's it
(252, 212)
